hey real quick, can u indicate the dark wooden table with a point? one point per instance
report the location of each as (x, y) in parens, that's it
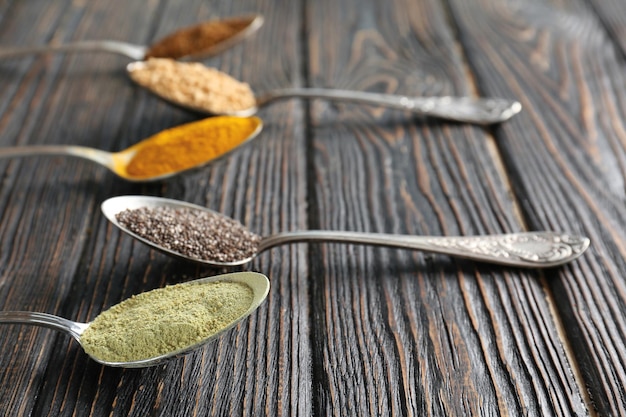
(346, 330)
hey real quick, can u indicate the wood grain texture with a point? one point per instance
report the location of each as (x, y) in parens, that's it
(611, 14)
(346, 329)
(412, 334)
(558, 60)
(77, 264)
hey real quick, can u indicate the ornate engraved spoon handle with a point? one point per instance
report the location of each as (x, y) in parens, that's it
(482, 111)
(531, 249)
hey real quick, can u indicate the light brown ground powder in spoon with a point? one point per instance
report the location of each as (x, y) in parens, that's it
(193, 85)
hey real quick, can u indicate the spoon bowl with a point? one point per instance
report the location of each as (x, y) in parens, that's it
(530, 249)
(119, 162)
(258, 283)
(245, 26)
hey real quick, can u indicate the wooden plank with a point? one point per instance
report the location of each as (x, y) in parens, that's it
(370, 331)
(398, 333)
(612, 15)
(557, 59)
(48, 205)
(68, 260)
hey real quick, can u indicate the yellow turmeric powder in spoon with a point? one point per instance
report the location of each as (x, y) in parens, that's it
(163, 155)
(186, 146)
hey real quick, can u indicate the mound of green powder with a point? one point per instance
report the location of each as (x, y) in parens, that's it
(165, 320)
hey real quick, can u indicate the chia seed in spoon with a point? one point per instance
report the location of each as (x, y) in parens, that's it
(193, 233)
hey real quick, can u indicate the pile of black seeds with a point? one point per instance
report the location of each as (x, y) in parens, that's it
(194, 233)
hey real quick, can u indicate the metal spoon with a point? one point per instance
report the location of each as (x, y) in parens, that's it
(117, 162)
(482, 111)
(257, 282)
(139, 52)
(531, 249)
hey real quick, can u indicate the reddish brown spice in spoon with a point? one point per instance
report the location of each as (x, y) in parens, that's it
(194, 40)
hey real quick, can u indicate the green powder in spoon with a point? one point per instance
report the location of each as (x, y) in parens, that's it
(165, 320)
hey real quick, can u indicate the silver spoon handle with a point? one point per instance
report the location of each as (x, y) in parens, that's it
(95, 155)
(463, 109)
(135, 52)
(532, 249)
(44, 320)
